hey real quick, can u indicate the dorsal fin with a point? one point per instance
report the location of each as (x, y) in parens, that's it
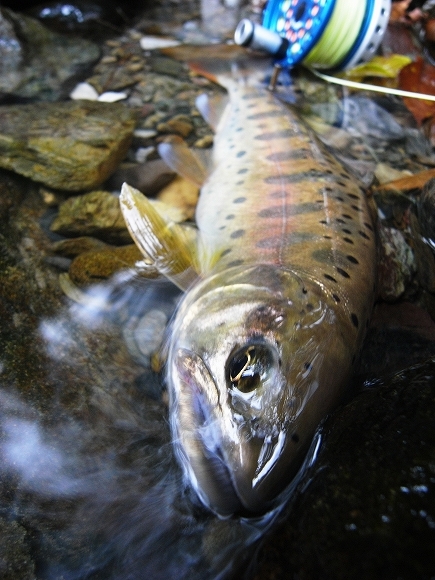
(165, 243)
(212, 108)
(179, 157)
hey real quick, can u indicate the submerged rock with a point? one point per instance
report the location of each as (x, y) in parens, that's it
(368, 508)
(396, 264)
(96, 213)
(70, 146)
(39, 64)
(426, 213)
(94, 266)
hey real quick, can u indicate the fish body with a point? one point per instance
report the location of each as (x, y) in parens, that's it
(262, 345)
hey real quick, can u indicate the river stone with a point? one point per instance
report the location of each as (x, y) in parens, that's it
(96, 213)
(94, 266)
(367, 511)
(39, 64)
(71, 146)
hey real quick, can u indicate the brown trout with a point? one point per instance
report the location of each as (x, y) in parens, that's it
(263, 342)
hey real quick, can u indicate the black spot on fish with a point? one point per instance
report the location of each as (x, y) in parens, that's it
(353, 196)
(225, 252)
(340, 221)
(352, 259)
(242, 171)
(270, 136)
(241, 182)
(239, 200)
(294, 177)
(346, 231)
(328, 277)
(222, 227)
(269, 243)
(328, 237)
(239, 129)
(354, 319)
(241, 153)
(308, 366)
(230, 216)
(290, 239)
(235, 263)
(342, 272)
(345, 176)
(265, 114)
(348, 240)
(324, 222)
(339, 198)
(347, 216)
(237, 234)
(356, 208)
(363, 235)
(295, 438)
(336, 298)
(287, 155)
(270, 212)
(278, 194)
(368, 226)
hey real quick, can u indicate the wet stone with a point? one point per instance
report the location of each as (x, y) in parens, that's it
(167, 66)
(96, 213)
(370, 492)
(97, 265)
(426, 212)
(180, 125)
(73, 247)
(396, 264)
(38, 64)
(69, 146)
(16, 561)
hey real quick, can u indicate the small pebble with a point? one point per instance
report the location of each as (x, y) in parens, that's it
(152, 42)
(112, 97)
(84, 91)
(144, 133)
(108, 59)
(204, 142)
(142, 153)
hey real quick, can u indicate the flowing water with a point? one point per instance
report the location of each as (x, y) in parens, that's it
(89, 485)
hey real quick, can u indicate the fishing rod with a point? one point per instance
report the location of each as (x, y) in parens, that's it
(323, 35)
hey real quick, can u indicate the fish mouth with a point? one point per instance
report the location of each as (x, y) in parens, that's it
(210, 447)
(198, 445)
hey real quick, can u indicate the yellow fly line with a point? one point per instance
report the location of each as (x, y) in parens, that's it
(375, 88)
(339, 36)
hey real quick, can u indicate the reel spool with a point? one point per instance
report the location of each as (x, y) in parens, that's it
(321, 34)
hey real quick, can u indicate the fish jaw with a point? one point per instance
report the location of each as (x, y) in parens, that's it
(251, 374)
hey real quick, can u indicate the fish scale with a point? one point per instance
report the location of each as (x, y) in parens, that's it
(287, 201)
(279, 289)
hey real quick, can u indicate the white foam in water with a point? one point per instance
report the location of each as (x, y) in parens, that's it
(100, 487)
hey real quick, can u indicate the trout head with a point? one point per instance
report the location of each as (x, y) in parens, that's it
(257, 358)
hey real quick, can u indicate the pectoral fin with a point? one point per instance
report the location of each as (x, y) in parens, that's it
(167, 245)
(179, 157)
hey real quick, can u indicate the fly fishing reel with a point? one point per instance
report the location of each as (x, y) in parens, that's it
(322, 34)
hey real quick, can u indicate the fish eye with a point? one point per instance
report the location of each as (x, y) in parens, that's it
(249, 366)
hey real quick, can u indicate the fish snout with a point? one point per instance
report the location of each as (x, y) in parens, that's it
(197, 432)
(232, 469)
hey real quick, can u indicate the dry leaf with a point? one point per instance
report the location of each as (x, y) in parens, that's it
(419, 77)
